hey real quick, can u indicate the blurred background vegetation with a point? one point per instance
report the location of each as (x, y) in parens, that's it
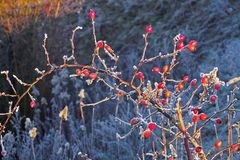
(214, 24)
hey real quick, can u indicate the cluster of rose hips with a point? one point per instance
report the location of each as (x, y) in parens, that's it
(195, 112)
(192, 46)
(147, 132)
(86, 73)
(101, 44)
(78, 72)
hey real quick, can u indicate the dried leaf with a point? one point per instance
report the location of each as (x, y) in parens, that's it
(234, 80)
(64, 113)
(81, 94)
(33, 133)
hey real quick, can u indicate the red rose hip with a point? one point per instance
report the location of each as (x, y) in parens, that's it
(93, 75)
(216, 86)
(218, 144)
(147, 134)
(165, 69)
(204, 80)
(180, 86)
(167, 94)
(180, 46)
(144, 102)
(133, 121)
(218, 121)
(198, 149)
(78, 72)
(156, 69)
(33, 104)
(140, 75)
(181, 37)
(164, 102)
(195, 118)
(100, 44)
(160, 85)
(108, 48)
(185, 78)
(85, 72)
(192, 46)
(213, 98)
(235, 147)
(149, 29)
(151, 126)
(203, 116)
(92, 14)
(193, 82)
(195, 110)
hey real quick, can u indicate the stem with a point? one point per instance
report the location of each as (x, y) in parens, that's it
(229, 135)
(164, 139)
(94, 33)
(181, 122)
(33, 150)
(60, 126)
(145, 47)
(186, 144)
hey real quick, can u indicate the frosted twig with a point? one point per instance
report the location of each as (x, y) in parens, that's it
(72, 43)
(45, 50)
(98, 102)
(9, 81)
(103, 62)
(126, 135)
(120, 120)
(39, 72)
(145, 46)
(7, 95)
(232, 81)
(94, 33)
(20, 81)
(102, 80)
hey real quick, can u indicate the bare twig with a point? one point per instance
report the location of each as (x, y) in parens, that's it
(72, 43)
(45, 50)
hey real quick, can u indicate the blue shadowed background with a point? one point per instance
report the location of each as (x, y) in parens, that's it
(214, 24)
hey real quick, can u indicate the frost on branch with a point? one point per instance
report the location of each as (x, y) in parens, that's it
(169, 116)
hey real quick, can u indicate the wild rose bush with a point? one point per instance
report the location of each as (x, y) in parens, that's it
(167, 118)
